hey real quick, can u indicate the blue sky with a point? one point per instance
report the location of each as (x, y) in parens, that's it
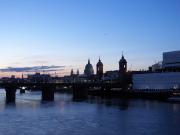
(68, 32)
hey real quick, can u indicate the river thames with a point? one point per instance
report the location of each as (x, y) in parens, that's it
(30, 116)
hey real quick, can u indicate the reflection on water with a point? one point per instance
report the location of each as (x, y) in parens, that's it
(96, 116)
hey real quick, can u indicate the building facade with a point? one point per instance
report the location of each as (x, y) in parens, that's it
(171, 61)
(99, 69)
(160, 81)
(164, 76)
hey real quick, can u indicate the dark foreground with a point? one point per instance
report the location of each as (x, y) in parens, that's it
(30, 116)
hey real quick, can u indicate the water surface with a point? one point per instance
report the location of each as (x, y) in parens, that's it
(30, 116)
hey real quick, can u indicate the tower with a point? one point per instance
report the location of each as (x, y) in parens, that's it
(99, 69)
(122, 65)
(77, 72)
(72, 72)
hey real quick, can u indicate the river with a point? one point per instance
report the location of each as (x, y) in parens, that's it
(30, 116)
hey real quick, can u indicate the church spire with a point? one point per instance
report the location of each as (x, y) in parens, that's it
(122, 55)
(99, 59)
(122, 64)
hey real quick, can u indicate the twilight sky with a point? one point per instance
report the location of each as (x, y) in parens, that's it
(66, 33)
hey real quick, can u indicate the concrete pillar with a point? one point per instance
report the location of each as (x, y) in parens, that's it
(102, 91)
(10, 94)
(47, 92)
(80, 91)
(108, 92)
(22, 91)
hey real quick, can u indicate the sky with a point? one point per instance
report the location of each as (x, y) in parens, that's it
(65, 33)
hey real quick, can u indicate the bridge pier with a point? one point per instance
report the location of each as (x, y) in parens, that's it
(47, 92)
(22, 91)
(80, 91)
(10, 94)
(108, 92)
(102, 91)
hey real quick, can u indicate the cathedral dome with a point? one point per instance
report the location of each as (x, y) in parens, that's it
(89, 69)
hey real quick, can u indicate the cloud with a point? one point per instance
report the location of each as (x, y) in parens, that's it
(33, 69)
(40, 62)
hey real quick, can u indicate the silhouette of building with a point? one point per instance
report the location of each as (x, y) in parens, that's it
(111, 75)
(88, 71)
(37, 77)
(77, 72)
(157, 67)
(72, 72)
(122, 65)
(99, 69)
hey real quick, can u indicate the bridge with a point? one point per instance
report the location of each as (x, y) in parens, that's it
(80, 90)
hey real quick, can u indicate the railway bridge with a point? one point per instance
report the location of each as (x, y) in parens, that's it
(80, 90)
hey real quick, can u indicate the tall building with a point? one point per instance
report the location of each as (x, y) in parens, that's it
(77, 72)
(171, 61)
(122, 65)
(72, 72)
(99, 69)
(88, 71)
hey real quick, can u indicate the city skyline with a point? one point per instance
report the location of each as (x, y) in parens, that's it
(66, 33)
